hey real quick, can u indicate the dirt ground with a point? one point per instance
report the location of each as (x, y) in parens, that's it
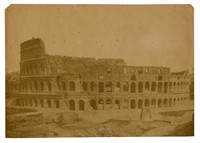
(25, 123)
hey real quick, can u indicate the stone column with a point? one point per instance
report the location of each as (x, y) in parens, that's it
(76, 105)
(78, 86)
(87, 105)
(38, 102)
(54, 85)
(136, 87)
(162, 91)
(113, 86)
(89, 87)
(53, 105)
(122, 87)
(129, 87)
(45, 103)
(28, 87)
(136, 104)
(143, 103)
(45, 86)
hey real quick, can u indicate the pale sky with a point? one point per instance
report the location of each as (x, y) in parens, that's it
(142, 35)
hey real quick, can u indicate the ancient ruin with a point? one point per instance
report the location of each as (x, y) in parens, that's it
(75, 83)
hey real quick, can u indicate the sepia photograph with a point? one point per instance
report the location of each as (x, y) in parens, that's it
(87, 70)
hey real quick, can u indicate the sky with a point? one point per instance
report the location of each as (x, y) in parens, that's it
(141, 35)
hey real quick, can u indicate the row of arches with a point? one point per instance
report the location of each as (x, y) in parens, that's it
(102, 104)
(34, 68)
(41, 86)
(37, 102)
(133, 87)
(36, 85)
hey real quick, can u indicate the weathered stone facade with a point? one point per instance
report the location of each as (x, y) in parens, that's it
(72, 83)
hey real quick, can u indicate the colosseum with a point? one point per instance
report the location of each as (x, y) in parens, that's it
(80, 84)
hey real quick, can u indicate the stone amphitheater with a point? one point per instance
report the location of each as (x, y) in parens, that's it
(85, 84)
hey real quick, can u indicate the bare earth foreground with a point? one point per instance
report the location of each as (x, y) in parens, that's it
(27, 122)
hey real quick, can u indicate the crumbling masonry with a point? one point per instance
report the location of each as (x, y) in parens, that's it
(73, 83)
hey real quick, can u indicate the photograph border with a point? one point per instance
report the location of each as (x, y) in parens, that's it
(196, 138)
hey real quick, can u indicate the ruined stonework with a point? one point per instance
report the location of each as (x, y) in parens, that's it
(80, 84)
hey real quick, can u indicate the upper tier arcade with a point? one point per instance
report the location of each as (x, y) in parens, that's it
(32, 49)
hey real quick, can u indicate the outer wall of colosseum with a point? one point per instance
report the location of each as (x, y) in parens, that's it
(48, 81)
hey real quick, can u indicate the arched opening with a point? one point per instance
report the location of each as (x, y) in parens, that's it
(35, 102)
(125, 86)
(159, 77)
(174, 86)
(64, 86)
(30, 85)
(108, 101)
(147, 86)
(160, 87)
(140, 87)
(35, 85)
(92, 86)
(165, 102)
(49, 103)
(153, 86)
(133, 77)
(100, 104)
(42, 103)
(133, 87)
(170, 102)
(81, 105)
(140, 104)
(118, 85)
(72, 86)
(146, 103)
(22, 100)
(25, 86)
(133, 105)
(42, 86)
(117, 104)
(49, 85)
(101, 87)
(178, 101)
(36, 68)
(57, 104)
(26, 102)
(174, 101)
(153, 103)
(181, 100)
(181, 86)
(165, 87)
(31, 68)
(42, 67)
(170, 86)
(30, 102)
(71, 105)
(108, 86)
(85, 86)
(159, 103)
(108, 104)
(93, 104)
(178, 87)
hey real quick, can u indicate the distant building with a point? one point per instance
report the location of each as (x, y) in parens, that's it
(73, 83)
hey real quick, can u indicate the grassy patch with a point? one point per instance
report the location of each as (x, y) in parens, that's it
(174, 113)
(13, 110)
